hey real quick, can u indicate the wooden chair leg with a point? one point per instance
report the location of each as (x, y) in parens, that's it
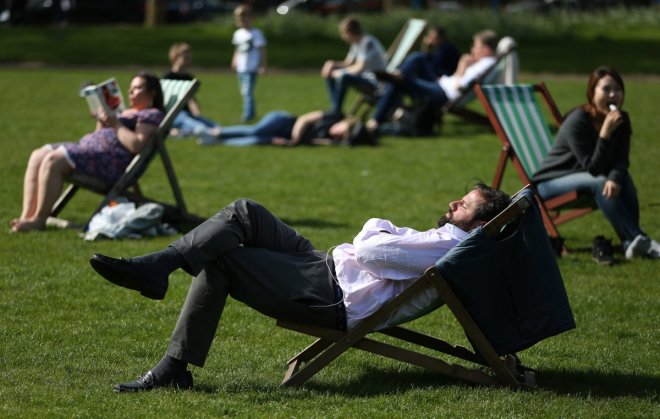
(304, 356)
(61, 202)
(475, 335)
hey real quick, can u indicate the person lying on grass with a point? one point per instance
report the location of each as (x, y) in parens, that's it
(284, 129)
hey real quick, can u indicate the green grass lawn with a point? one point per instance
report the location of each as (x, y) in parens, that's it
(66, 335)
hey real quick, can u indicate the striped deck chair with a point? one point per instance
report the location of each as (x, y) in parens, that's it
(404, 42)
(516, 117)
(176, 94)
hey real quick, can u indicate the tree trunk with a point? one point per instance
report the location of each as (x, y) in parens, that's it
(154, 12)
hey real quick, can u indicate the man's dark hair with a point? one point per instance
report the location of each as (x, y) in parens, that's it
(351, 25)
(495, 202)
(440, 30)
(489, 38)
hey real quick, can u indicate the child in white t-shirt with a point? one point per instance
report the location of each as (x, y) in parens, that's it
(249, 58)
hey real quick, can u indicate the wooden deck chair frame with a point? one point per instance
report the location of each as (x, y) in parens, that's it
(555, 211)
(508, 371)
(176, 94)
(404, 42)
(504, 70)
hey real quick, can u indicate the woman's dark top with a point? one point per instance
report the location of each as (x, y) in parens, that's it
(578, 148)
(444, 59)
(320, 128)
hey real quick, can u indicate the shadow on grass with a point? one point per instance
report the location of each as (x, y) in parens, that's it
(591, 384)
(376, 381)
(372, 382)
(454, 126)
(598, 383)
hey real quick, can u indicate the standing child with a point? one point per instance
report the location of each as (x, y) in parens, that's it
(189, 121)
(249, 58)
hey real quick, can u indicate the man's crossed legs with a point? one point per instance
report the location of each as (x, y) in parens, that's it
(243, 251)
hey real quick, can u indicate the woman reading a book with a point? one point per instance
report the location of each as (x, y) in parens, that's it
(103, 154)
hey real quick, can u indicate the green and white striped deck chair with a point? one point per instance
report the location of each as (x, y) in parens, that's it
(176, 94)
(517, 118)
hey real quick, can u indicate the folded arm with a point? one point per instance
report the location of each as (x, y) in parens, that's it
(133, 141)
(391, 252)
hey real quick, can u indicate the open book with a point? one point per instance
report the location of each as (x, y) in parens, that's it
(106, 95)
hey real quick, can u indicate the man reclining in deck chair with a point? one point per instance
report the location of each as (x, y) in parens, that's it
(248, 253)
(366, 54)
(416, 78)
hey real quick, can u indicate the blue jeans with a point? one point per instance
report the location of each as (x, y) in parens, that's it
(622, 212)
(419, 82)
(191, 125)
(246, 83)
(273, 124)
(337, 88)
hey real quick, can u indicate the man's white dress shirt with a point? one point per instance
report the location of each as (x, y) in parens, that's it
(453, 89)
(383, 260)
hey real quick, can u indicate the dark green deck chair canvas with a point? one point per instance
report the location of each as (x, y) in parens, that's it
(503, 286)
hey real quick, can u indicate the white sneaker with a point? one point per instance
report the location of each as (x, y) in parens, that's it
(640, 246)
(654, 250)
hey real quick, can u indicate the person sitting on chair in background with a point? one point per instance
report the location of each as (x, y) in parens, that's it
(420, 120)
(189, 121)
(416, 77)
(366, 54)
(441, 54)
(591, 155)
(103, 154)
(247, 252)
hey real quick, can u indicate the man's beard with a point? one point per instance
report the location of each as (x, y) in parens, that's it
(443, 220)
(449, 220)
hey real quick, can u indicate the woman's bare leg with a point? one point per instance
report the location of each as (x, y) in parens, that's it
(30, 186)
(53, 168)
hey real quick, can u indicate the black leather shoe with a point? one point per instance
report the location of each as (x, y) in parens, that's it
(151, 283)
(602, 251)
(183, 381)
